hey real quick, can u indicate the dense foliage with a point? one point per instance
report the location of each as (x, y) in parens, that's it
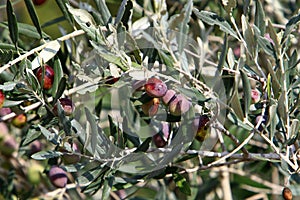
(164, 99)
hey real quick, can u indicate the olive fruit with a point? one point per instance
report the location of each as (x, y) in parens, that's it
(255, 96)
(155, 87)
(48, 76)
(179, 105)
(34, 173)
(19, 121)
(200, 127)
(168, 97)
(38, 2)
(151, 107)
(2, 98)
(4, 111)
(67, 105)
(58, 176)
(160, 139)
(287, 194)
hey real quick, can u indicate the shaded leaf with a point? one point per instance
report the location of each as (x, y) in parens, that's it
(12, 23)
(247, 91)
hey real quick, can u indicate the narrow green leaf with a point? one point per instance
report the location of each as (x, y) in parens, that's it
(57, 78)
(213, 19)
(5, 56)
(223, 54)
(62, 4)
(33, 16)
(247, 91)
(94, 129)
(104, 11)
(184, 27)
(260, 20)
(43, 155)
(87, 23)
(182, 184)
(27, 30)
(12, 23)
(144, 146)
(52, 137)
(124, 13)
(251, 44)
(31, 135)
(60, 89)
(289, 27)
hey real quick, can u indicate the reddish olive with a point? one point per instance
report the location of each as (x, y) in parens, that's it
(19, 121)
(155, 87)
(58, 176)
(160, 139)
(38, 2)
(2, 98)
(67, 105)
(48, 76)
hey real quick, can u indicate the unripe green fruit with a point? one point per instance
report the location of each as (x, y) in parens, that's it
(155, 87)
(48, 76)
(58, 177)
(34, 173)
(2, 98)
(168, 97)
(179, 105)
(150, 108)
(19, 121)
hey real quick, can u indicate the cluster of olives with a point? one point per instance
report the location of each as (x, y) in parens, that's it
(177, 105)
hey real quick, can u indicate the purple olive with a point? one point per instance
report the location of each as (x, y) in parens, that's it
(179, 105)
(160, 139)
(170, 94)
(67, 105)
(58, 176)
